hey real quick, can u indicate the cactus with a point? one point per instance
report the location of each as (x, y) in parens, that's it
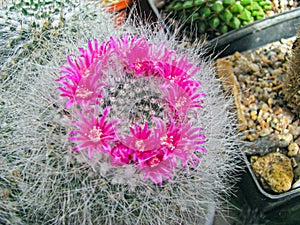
(49, 183)
(26, 25)
(291, 84)
(216, 17)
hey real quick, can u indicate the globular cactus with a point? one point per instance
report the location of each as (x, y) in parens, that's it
(49, 183)
(26, 25)
(216, 17)
(291, 84)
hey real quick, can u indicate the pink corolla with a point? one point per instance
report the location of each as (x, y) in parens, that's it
(154, 142)
(130, 49)
(179, 141)
(141, 138)
(156, 167)
(182, 100)
(158, 150)
(94, 133)
(80, 79)
(121, 154)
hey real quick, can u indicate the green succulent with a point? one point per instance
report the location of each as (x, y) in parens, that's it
(291, 85)
(216, 17)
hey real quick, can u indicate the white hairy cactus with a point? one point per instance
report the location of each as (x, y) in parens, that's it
(43, 181)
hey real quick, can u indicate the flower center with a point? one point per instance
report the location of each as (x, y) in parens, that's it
(180, 102)
(168, 142)
(83, 92)
(140, 145)
(154, 161)
(95, 134)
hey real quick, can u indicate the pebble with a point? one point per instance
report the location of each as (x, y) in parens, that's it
(253, 115)
(260, 74)
(293, 149)
(274, 170)
(285, 139)
(265, 132)
(253, 67)
(294, 128)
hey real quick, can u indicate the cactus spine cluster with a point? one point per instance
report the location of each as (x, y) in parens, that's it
(27, 25)
(218, 17)
(291, 85)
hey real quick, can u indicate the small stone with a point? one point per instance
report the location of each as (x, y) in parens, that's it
(275, 171)
(253, 67)
(253, 115)
(298, 141)
(266, 115)
(252, 137)
(252, 98)
(265, 131)
(253, 106)
(262, 124)
(294, 162)
(277, 110)
(264, 59)
(285, 139)
(270, 102)
(294, 129)
(293, 149)
(276, 72)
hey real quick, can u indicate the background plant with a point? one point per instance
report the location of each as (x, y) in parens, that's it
(291, 84)
(216, 17)
(47, 183)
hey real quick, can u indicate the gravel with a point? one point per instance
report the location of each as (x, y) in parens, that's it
(267, 124)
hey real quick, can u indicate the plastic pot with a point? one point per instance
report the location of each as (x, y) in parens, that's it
(277, 209)
(257, 34)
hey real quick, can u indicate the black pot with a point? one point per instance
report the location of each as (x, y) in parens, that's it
(257, 34)
(261, 207)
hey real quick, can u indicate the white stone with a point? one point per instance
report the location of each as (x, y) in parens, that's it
(293, 149)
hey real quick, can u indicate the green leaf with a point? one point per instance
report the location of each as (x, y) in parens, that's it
(187, 4)
(214, 22)
(205, 12)
(226, 15)
(245, 15)
(236, 8)
(235, 23)
(254, 6)
(228, 2)
(217, 7)
(202, 27)
(199, 2)
(178, 6)
(246, 2)
(223, 29)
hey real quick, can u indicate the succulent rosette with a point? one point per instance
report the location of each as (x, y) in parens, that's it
(135, 101)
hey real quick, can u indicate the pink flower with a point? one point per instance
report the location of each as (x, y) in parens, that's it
(141, 139)
(179, 141)
(81, 77)
(121, 155)
(156, 167)
(181, 100)
(130, 49)
(94, 133)
(104, 74)
(172, 143)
